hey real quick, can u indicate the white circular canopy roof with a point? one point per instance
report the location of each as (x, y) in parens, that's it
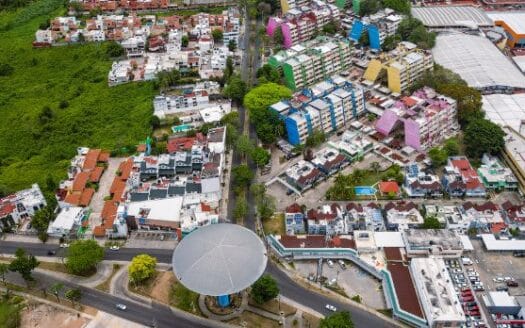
(219, 259)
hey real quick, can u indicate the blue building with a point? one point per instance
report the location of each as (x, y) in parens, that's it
(326, 106)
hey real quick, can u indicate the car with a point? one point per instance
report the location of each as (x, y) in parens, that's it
(502, 288)
(518, 254)
(467, 299)
(330, 307)
(64, 245)
(342, 264)
(512, 283)
(498, 279)
(121, 306)
(330, 263)
(114, 248)
(51, 253)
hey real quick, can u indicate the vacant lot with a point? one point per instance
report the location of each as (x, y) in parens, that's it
(57, 99)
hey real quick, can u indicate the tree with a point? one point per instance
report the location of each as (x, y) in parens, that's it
(483, 136)
(316, 138)
(241, 208)
(367, 7)
(390, 42)
(267, 73)
(24, 264)
(451, 147)
(154, 121)
(114, 49)
(231, 118)
(258, 190)
(236, 88)
(232, 45)
(337, 320)
(142, 267)
(4, 268)
(278, 37)
(55, 289)
(364, 40)
(431, 222)
(264, 289)
(330, 27)
(266, 206)
(217, 35)
(242, 175)
(374, 166)
(438, 156)
(468, 99)
(73, 295)
(41, 220)
(257, 102)
(244, 145)
(228, 70)
(260, 156)
(231, 135)
(184, 41)
(412, 29)
(402, 6)
(83, 256)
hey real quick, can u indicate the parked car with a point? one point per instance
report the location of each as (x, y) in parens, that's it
(51, 253)
(330, 263)
(342, 264)
(512, 283)
(121, 306)
(330, 307)
(502, 288)
(518, 254)
(467, 299)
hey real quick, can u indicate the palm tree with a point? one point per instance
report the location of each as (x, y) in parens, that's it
(374, 166)
(73, 295)
(56, 288)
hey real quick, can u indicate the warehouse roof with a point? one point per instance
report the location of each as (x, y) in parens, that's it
(504, 109)
(477, 61)
(449, 16)
(514, 20)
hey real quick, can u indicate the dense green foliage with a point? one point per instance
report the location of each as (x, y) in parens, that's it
(217, 35)
(10, 311)
(267, 124)
(142, 267)
(33, 145)
(368, 7)
(240, 211)
(24, 264)
(73, 295)
(236, 88)
(268, 73)
(264, 289)
(337, 320)
(483, 136)
(13, 4)
(439, 155)
(242, 175)
(431, 222)
(83, 256)
(316, 138)
(412, 29)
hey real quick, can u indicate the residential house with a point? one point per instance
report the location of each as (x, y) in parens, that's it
(21, 205)
(294, 220)
(461, 179)
(329, 161)
(421, 184)
(67, 222)
(303, 175)
(326, 220)
(495, 176)
(401, 216)
(484, 216)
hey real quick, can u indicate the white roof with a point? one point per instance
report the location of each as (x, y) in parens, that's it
(502, 299)
(477, 61)
(520, 62)
(493, 244)
(515, 147)
(467, 245)
(219, 259)
(504, 109)
(389, 239)
(449, 16)
(167, 209)
(211, 185)
(514, 20)
(66, 219)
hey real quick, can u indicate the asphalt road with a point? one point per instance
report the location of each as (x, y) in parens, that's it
(287, 286)
(159, 314)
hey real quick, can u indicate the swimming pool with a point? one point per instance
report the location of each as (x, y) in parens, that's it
(181, 128)
(365, 191)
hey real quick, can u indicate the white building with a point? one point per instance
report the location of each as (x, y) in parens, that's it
(402, 216)
(22, 204)
(67, 222)
(432, 242)
(213, 114)
(436, 293)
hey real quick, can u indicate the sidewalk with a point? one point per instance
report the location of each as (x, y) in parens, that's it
(104, 270)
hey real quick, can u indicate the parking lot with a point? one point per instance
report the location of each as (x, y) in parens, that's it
(495, 265)
(152, 239)
(352, 280)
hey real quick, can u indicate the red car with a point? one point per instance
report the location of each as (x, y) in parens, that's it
(472, 313)
(467, 299)
(466, 294)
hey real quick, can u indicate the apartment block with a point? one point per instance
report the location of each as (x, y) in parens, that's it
(427, 118)
(378, 26)
(326, 106)
(403, 66)
(302, 23)
(312, 61)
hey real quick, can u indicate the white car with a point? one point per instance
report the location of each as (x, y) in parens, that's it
(64, 245)
(330, 307)
(121, 306)
(330, 263)
(114, 248)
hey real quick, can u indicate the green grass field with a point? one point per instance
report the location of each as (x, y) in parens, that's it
(33, 147)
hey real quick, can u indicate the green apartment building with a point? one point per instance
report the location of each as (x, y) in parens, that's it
(312, 61)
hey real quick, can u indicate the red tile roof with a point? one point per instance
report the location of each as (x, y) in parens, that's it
(294, 208)
(386, 187)
(117, 189)
(79, 183)
(96, 174)
(125, 169)
(183, 143)
(91, 159)
(305, 241)
(85, 197)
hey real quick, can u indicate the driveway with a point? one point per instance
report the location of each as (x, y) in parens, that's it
(97, 203)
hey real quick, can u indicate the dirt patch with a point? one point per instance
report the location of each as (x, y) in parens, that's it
(252, 320)
(162, 286)
(47, 316)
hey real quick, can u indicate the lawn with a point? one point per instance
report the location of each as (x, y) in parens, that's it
(10, 312)
(184, 299)
(34, 146)
(252, 320)
(274, 225)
